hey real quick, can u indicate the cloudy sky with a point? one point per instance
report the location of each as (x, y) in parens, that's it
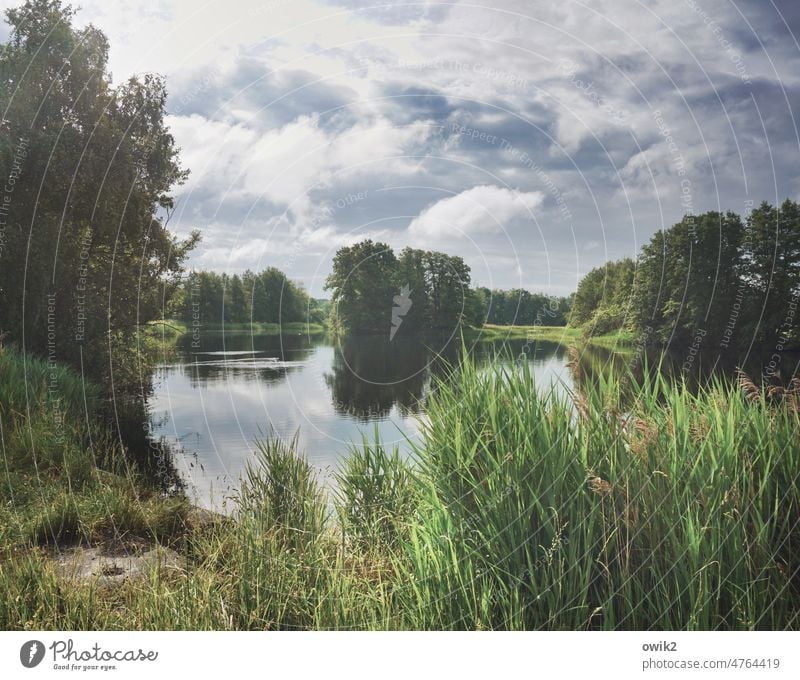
(535, 138)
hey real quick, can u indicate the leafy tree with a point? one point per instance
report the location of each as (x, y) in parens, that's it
(475, 308)
(412, 273)
(588, 297)
(317, 311)
(448, 279)
(296, 302)
(771, 272)
(602, 302)
(236, 309)
(363, 283)
(87, 256)
(212, 297)
(688, 276)
(275, 287)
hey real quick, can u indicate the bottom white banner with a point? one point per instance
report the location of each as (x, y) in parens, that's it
(400, 655)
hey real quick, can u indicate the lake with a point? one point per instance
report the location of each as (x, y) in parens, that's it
(218, 399)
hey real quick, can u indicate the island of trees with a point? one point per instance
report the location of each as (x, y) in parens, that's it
(374, 290)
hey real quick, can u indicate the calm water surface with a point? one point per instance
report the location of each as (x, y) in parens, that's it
(218, 399)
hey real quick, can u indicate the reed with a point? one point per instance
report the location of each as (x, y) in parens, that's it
(675, 510)
(376, 494)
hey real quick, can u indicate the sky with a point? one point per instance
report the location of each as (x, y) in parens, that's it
(536, 139)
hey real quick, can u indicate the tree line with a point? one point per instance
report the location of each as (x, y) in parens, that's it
(522, 308)
(209, 298)
(434, 285)
(713, 278)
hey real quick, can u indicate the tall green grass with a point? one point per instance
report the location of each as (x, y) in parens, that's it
(677, 511)
(64, 478)
(376, 495)
(651, 508)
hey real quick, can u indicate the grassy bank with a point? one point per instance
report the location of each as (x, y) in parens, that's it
(633, 508)
(561, 334)
(66, 481)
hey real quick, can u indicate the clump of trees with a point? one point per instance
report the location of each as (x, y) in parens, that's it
(602, 302)
(209, 298)
(87, 170)
(425, 291)
(715, 276)
(374, 291)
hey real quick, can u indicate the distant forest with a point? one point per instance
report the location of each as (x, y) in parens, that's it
(709, 279)
(268, 297)
(523, 308)
(365, 282)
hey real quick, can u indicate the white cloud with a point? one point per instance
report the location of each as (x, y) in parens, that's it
(283, 165)
(484, 209)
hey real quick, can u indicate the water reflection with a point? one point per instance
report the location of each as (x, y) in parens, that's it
(370, 376)
(695, 370)
(228, 391)
(255, 357)
(231, 390)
